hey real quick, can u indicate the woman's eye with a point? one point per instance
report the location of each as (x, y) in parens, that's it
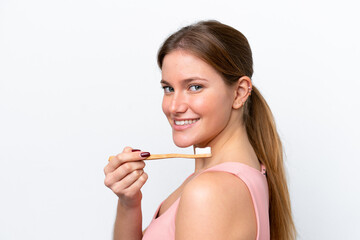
(195, 87)
(167, 89)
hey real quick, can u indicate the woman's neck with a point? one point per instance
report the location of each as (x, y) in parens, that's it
(231, 145)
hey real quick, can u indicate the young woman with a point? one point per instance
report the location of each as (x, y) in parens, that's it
(209, 99)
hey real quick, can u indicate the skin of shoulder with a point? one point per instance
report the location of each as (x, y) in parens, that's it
(215, 205)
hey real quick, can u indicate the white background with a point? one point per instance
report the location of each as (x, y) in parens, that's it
(79, 81)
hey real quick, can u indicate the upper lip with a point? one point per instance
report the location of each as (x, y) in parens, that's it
(183, 119)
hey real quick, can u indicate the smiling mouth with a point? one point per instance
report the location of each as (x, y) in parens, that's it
(185, 122)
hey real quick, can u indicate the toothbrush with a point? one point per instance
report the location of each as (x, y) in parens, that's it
(199, 153)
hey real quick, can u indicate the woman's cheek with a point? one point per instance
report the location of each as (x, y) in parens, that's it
(200, 105)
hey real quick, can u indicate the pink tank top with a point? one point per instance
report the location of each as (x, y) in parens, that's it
(163, 227)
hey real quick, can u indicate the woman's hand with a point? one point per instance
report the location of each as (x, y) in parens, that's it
(125, 176)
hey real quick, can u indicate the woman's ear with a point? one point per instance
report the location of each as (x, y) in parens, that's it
(242, 91)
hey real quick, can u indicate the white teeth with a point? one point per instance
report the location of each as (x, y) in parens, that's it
(185, 122)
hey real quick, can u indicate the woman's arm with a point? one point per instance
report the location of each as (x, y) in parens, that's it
(128, 223)
(215, 205)
(125, 176)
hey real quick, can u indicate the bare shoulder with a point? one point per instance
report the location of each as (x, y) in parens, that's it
(215, 205)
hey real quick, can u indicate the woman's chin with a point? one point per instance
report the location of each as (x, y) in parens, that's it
(182, 143)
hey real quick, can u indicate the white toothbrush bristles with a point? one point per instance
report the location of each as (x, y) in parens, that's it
(203, 151)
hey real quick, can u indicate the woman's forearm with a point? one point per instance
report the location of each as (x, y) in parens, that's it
(128, 223)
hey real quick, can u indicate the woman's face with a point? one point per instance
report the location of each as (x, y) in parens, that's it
(196, 101)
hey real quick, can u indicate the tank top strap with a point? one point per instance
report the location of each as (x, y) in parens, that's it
(234, 168)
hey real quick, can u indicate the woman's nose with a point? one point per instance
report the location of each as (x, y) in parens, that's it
(178, 103)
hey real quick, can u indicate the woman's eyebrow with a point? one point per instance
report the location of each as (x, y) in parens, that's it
(185, 81)
(164, 82)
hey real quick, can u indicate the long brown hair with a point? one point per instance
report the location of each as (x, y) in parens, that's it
(228, 51)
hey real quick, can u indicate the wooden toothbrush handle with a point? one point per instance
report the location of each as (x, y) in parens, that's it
(176, 155)
(171, 155)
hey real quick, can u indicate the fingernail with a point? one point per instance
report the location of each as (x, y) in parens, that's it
(136, 150)
(144, 154)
